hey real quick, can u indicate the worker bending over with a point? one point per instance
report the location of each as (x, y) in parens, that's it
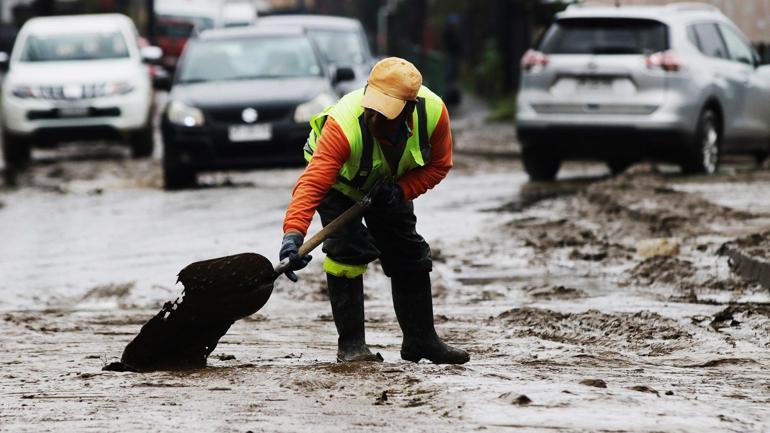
(393, 130)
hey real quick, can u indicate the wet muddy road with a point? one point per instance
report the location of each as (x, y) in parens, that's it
(569, 328)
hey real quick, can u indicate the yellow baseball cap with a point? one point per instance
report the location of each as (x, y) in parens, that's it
(392, 82)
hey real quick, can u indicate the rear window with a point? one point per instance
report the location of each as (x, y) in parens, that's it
(605, 36)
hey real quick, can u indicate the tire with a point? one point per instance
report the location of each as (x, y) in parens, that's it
(760, 157)
(702, 156)
(17, 152)
(175, 174)
(619, 165)
(539, 163)
(142, 142)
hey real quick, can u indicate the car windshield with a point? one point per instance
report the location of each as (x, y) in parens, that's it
(340, 47)
(605, 36)
(72, 47)
(202, 23)
(174, 29)
(245, 59)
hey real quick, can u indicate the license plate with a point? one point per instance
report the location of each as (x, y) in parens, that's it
(262, 132)
(73, 111)
(594, 84)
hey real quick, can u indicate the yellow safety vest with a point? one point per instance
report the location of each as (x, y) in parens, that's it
(367, 163)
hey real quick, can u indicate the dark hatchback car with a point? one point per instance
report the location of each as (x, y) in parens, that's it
(241, 99)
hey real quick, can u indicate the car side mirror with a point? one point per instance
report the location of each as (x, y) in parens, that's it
(4, 61)
(151, 54)
(344, 73)
(764, 71)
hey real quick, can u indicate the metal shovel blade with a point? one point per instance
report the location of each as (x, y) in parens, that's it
(217, 292)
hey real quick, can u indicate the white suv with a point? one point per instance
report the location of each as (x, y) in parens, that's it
(77, 78)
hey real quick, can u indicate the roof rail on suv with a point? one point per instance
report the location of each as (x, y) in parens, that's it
(675, 7)
(691, 7)
(585, 4)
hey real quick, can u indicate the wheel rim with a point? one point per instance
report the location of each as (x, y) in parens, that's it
(710, 146)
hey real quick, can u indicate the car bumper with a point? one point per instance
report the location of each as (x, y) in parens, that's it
(602, 141)
(209, 148)
(30, 117)
(658, 133)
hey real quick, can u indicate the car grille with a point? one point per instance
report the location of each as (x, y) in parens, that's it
(233, 115)
(70, 93)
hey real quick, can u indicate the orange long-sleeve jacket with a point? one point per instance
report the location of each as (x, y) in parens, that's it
(333, 150)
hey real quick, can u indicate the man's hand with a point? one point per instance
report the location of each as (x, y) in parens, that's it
(290, 249)
(388, 196)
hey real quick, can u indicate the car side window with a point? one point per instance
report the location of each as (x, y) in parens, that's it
(693, 37)
(739, 50)
(711, 43)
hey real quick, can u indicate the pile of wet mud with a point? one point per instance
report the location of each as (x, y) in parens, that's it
(644, 332)
(77, 169)
(664, 212)
(754, 318)
(683, 275)
(750, 257)
(661, 270)
(584, 243)
(548, 292)
(605, 220)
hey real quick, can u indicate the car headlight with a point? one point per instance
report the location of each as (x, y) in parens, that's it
(308, 109)
(180, 113)
(120, 88)
(23, 92)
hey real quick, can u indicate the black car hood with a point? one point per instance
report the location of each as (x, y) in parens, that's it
(250, 92)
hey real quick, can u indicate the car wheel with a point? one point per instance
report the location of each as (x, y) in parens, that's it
(175, 174)
(540, 164)
(619, 165)
(703, 155)
(17, 152)
(142, 142)
(760, 157)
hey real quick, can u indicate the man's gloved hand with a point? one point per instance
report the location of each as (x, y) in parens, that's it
(290, 249)
(389, 195)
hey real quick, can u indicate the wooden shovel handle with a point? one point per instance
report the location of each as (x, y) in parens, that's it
(349, 215)
(309, 245)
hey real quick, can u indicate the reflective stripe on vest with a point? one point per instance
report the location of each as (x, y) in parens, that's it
(356, 174)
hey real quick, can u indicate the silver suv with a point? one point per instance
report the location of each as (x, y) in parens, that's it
(678, 83)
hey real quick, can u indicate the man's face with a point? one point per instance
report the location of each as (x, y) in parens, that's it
(380, 125)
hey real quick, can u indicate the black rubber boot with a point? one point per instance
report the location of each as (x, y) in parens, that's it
(414, 309)
(347, 299)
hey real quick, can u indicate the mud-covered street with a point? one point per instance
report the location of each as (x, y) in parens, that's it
(569, 327)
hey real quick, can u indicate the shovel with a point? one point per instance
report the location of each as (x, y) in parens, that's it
(217, 292)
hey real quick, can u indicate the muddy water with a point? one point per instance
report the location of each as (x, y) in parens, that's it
(550, 299)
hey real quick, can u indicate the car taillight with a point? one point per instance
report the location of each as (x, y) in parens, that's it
(534, 59)
(666, 60)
